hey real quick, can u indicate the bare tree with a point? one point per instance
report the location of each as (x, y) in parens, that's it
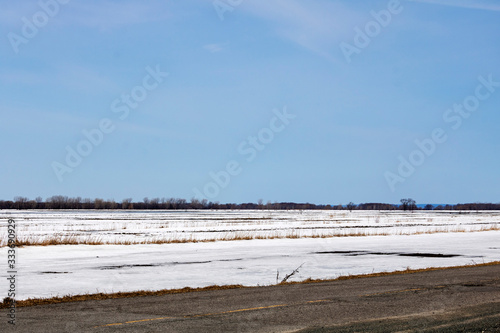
(195, 203)
(154, 203)
(260, 203)
(351, 205)
(204, 204)
(20, 202)
(412, 204)
(99, 203)
(127, 203)
(111, 204)
(408, 204)
(87, 203)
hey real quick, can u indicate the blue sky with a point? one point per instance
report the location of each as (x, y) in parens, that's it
(327, 126)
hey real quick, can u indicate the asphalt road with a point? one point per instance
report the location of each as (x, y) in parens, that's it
(452, 300)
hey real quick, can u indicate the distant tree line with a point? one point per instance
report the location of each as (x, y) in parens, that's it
(65, 202)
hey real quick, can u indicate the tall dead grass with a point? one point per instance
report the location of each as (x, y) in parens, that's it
(235, 236)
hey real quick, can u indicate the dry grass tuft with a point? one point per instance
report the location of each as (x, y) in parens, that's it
(235, 236)
(494, 227)
(57, 240)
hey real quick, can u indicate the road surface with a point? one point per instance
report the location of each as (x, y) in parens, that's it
(451, 300)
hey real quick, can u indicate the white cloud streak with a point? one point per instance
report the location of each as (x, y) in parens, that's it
(481, 5)
(104, 15)
(214, 48)
(109, 14)
(316, 25)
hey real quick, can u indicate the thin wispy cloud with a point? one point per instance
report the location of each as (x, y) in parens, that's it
(22, 77)
(75, 77)
(214, 48)
(317, 26)
(130, 128)
(103, 15)
(481, 5)
(85, 79)
(107, 15)
(43, 119)
(12, 12)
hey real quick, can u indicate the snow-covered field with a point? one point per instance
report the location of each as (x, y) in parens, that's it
(119, 227)
(388, 241)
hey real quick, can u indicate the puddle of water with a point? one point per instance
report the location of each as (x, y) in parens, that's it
(125, 266)
(429, 255)
(416, 254)
(153, 265)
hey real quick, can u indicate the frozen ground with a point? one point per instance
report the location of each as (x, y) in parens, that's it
(115, 227)
(59, 270)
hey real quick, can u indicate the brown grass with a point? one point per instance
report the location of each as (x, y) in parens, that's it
(492, 228)
(406, 271)
(92, 240)
(102, 296)
(57, 240)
